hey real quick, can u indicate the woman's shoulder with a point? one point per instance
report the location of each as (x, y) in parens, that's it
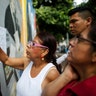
(52, 73)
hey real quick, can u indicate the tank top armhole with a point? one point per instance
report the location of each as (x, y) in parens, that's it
(53, 67)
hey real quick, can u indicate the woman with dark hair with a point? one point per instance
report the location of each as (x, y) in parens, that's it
(38, 65)
(50, 42)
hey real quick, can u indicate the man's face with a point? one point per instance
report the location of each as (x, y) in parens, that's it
(77, 24)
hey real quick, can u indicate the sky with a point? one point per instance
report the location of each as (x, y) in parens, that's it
(79, 1)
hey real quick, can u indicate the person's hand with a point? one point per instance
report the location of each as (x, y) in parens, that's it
(69, 73)
(3, 56)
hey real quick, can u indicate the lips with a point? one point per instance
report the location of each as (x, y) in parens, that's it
(69, 53)
(72, 31)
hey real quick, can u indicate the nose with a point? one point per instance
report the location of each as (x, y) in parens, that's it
(28, 46)
(70, 25)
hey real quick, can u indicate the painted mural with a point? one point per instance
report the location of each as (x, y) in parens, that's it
(19, 27)
(13, 18)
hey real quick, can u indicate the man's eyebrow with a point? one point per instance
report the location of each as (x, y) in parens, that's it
(73, 20)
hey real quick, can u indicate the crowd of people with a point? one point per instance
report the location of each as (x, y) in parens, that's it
(41, 73)
(79, 57)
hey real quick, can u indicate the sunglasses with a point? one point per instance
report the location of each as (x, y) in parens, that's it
(34, 44)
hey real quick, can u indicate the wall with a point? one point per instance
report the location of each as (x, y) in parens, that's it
(10, 27)
(3, 5)
(13, 18)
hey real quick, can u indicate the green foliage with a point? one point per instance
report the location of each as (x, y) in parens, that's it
(53, 17)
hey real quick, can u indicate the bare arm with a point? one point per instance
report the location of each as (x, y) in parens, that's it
(53, 88)
(19, 63)
(52, 75)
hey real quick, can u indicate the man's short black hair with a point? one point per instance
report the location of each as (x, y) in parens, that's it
(80, 9)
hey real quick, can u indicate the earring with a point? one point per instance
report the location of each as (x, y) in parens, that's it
(42, 58)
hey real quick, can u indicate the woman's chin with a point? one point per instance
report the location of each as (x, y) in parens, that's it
(69, 59)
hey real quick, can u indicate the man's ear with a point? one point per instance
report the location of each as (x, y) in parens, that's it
(89, 20)
(94, 57)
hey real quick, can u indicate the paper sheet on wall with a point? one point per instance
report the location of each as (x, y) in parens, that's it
(16, 36)
(12, 51)
(3, 38)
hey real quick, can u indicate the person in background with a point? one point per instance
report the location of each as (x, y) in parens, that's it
(39, 66)
(80, 18)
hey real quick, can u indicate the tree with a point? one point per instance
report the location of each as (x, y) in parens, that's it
(52, 16)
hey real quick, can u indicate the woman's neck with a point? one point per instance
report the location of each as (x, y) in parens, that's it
(86, 72)
(39, 63)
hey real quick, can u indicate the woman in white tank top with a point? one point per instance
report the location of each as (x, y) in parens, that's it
(38, 65)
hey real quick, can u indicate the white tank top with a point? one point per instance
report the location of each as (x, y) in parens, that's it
(28, 86)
